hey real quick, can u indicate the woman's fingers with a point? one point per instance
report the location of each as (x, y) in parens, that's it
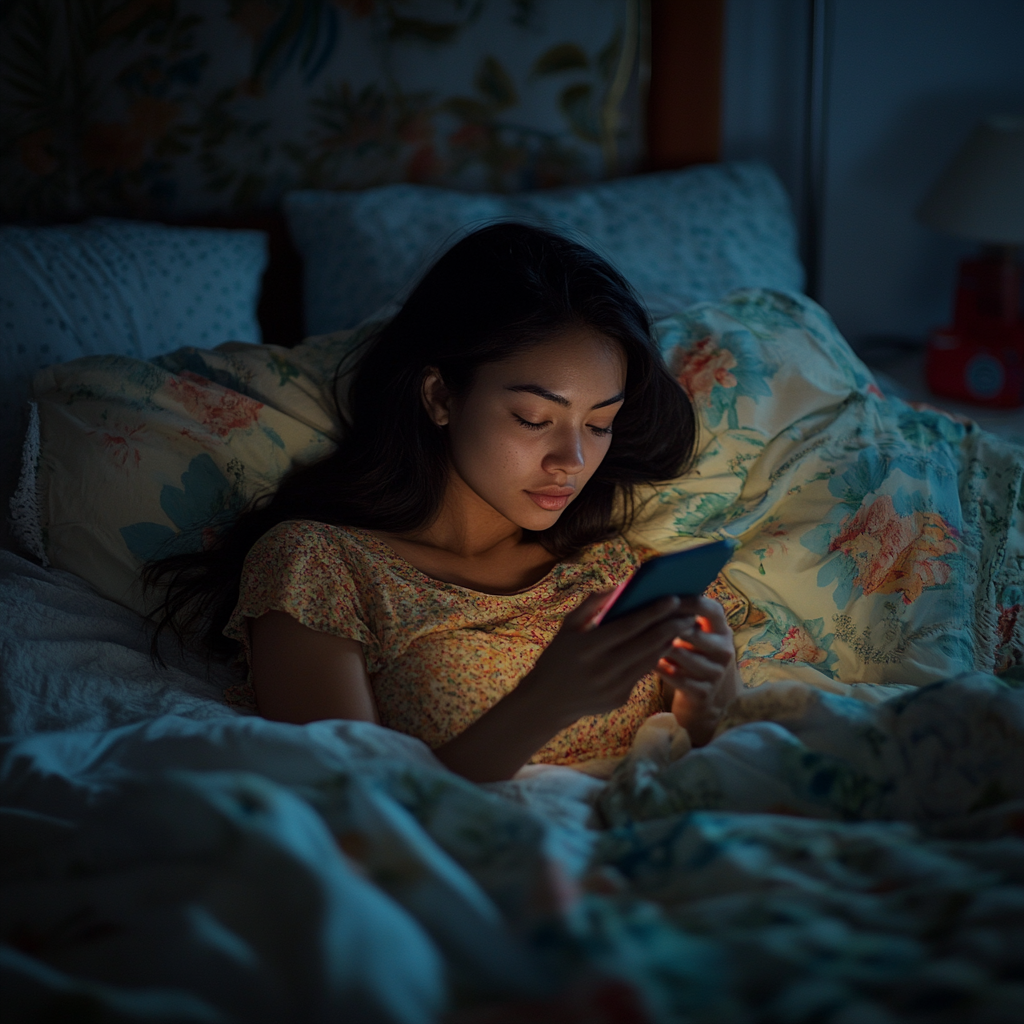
(714, 615)
(698, 698)
(631, 660)
(679, 670)
(663, 615)
(715, 646)
(686, 640)
(703, 663)
(657, 641)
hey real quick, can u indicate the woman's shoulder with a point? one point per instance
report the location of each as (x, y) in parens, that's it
(303, 540)
(312, 571)
(617, 550)
(605, 563)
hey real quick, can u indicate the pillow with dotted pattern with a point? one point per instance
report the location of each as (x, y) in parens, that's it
(679, 237)
(111, 287)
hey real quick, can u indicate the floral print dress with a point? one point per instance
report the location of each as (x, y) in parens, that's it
(438, 655)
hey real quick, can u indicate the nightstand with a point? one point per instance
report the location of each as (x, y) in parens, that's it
(898, 366)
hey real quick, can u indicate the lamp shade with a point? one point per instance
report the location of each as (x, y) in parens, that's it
(980, 195)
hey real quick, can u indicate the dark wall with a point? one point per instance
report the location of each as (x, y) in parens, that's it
(908, 81)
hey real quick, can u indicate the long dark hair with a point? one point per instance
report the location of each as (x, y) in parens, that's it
(500, 290)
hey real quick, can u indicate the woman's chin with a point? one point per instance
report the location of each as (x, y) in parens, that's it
(525, 513)
(538, 520)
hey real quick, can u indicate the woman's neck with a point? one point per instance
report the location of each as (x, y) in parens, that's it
(466, 527)
(472, 545)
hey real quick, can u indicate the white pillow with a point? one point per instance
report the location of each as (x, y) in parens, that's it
(679, 237)
(110, 287)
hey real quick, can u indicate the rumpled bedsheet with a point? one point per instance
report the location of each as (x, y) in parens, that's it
(821, 860)
(71, 659)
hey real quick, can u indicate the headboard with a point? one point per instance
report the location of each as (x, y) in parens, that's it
(206, 119)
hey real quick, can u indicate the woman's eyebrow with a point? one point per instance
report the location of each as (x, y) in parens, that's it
(536, 389)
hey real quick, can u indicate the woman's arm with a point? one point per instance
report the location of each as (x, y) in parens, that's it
(300, 675)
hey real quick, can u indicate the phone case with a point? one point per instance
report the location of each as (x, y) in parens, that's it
(682, 573)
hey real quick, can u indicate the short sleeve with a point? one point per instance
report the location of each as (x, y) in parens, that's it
(300, 568)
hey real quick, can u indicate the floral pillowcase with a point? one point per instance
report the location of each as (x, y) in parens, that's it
(878, 544)
(138, 457)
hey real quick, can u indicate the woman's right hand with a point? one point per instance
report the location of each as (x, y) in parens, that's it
(583, 671)
(590, 671)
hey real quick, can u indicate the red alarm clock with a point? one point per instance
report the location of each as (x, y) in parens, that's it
(981, 357)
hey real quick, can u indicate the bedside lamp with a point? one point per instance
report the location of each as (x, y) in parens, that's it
(980, 196)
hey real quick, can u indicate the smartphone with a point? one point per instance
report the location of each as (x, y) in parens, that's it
(681, 574)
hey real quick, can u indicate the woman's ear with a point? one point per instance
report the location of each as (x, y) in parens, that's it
(436, 397)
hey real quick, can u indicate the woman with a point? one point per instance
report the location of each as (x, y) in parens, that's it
(440, 571)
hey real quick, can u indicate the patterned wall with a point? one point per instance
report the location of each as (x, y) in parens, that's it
(186, 107)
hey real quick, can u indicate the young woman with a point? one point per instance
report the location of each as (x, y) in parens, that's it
(440, 571)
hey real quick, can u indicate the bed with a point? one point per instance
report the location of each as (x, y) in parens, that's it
(851, 845)
(165, 859)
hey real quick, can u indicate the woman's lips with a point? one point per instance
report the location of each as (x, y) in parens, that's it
(550, 502)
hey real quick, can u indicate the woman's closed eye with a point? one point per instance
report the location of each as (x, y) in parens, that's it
(530, 425)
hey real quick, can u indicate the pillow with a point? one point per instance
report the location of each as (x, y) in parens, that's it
(679, 236)
(878, 543)
(136, 457)
(110, 287)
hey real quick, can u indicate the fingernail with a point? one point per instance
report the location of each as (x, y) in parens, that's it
(704, 623)
(666, 666)
(684, 644)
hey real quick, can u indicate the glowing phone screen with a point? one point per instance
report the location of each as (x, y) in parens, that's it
(683, 573)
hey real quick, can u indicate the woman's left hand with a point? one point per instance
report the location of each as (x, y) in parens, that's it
(702, 671)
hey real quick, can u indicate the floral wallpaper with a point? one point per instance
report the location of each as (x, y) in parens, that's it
(186, 107)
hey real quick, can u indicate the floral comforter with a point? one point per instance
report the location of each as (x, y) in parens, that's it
(822, 860)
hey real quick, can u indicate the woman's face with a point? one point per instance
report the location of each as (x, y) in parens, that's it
(533, 428)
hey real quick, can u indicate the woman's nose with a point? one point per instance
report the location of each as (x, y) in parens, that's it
(567, 455)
